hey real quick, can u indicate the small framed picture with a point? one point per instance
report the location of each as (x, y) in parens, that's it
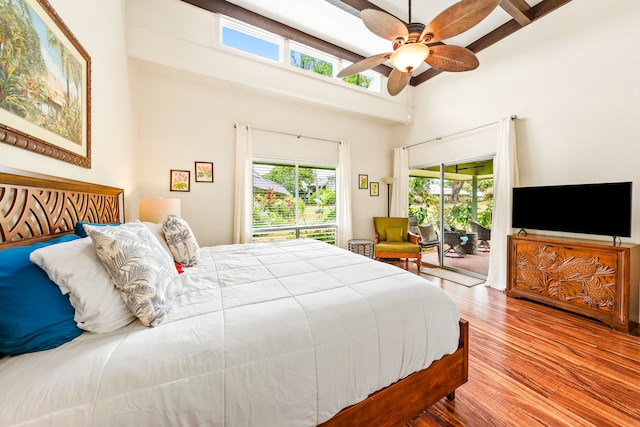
(204, 172)
(363, 182)
(180, 180)
(374, 189)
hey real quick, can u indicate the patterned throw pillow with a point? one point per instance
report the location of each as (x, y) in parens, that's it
(181, 241)
(140, 268)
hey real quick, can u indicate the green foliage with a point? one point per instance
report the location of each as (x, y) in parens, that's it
(459, 216)
(486, 186)
(419, 213)
(21, 61)
(23, 86)
(286, 176)
(307, 62)
(325, 200)
(269, 210)
(484, 217)
(423, 204)
(358, 80)
(275, 210)
(324, 197)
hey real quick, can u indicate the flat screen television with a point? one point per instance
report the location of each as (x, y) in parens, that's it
(601, 209)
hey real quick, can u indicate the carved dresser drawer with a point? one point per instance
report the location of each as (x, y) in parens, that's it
(590, 278)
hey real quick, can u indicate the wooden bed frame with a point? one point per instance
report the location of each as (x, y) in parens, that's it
(36, 207)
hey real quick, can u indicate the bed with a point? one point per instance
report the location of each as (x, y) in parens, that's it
(270, 334)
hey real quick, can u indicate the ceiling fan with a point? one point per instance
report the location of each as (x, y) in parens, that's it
(415, 43)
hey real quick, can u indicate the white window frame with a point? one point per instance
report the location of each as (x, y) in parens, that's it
(298, 227)
(285, 46)
(376, 84)
(299, 47)
(250, 30)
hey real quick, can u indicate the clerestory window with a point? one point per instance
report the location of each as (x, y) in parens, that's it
(244, 37)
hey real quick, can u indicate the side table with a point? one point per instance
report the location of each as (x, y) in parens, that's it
(362, 247)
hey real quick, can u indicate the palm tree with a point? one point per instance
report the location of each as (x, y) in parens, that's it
(71, 68)
(21, 61)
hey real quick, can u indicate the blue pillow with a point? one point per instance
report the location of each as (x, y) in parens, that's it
(34, 315)
(79, 230)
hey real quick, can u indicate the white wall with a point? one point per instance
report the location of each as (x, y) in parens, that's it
(99, 26)
(571, 77)
(176, 34)
(184, 117)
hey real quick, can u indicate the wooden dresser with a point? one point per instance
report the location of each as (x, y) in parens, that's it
(591, 278)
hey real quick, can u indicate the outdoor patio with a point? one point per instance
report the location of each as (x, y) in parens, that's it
(476, 263)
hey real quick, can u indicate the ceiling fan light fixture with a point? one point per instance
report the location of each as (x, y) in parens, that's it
(410, 56)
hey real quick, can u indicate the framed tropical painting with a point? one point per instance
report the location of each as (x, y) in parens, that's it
(45, 76)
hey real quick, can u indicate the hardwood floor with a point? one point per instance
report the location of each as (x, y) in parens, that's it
(533, 365)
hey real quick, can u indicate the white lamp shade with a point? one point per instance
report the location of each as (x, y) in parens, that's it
(157, 210)
(388, 180)
(409, 56)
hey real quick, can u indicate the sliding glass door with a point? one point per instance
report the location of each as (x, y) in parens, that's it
(457, 199)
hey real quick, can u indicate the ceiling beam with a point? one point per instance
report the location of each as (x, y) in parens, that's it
(519, 10)
(233, 11)
(358, 4)
(538, 11)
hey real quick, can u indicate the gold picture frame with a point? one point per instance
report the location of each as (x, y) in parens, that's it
(50, 109)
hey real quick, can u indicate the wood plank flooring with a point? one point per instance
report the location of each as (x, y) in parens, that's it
(533, 365)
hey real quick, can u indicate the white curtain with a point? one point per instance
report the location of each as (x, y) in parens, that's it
(343, 187)
(505, 177)
(243, 185)
(400, 187)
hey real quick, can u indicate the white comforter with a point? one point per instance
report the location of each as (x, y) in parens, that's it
(268, 334)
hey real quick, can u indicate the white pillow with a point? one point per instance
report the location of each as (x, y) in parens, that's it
(156, 230)
(76, 269)
(181, 241)
(141, 269)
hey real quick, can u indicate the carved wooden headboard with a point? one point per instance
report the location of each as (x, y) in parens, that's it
(35, 207)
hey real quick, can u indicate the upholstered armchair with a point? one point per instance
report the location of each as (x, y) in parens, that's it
(393, 239)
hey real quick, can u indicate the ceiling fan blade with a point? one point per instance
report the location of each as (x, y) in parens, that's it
(457, 19)
(384, 25)
(397, 81)
(365, 64)
(451, 58)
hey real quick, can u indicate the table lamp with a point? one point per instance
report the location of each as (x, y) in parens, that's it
(157, 210)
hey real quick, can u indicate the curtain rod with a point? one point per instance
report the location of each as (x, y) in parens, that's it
(293, 134)
(439, 138)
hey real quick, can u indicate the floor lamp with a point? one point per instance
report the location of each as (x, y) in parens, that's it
(388, 181)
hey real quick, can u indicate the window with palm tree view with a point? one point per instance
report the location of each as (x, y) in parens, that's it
(293, 201)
